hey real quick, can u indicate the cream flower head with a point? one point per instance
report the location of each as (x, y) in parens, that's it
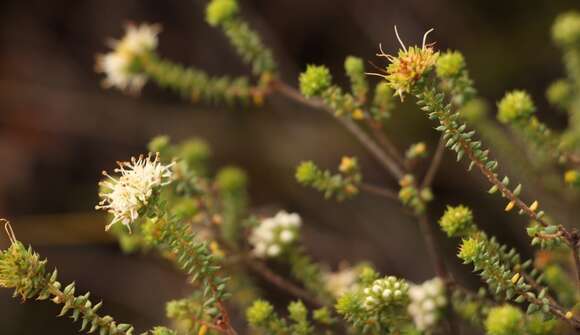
(126, 195)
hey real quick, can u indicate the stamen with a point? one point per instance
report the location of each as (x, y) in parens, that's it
(399, 38)
(382, 52)
(425, 37)
(376, 74)
(9, 231)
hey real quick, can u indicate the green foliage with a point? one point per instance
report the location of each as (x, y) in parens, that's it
(232, 183)
(196, 85)
(22, 270)
(315, 80)
(382, 102)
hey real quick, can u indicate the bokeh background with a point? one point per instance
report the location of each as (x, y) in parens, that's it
(59, 129)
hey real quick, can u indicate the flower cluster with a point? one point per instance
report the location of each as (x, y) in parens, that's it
(342, 281)
(409, 65)
(274, 234)
(126, 195)
(121, 65)
(386, 292)
(457, 221)
(427, 302)
(515, 106)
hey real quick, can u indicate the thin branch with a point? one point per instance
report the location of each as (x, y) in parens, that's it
(280, 281)
(380, 191)
(376, 151)
(435, 164)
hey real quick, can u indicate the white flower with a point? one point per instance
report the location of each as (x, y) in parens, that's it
(427, 301)
(125, 195)
(117, 64)
(274, 234)
(342, 281)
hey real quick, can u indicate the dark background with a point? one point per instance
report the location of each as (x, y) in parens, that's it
(59, 129)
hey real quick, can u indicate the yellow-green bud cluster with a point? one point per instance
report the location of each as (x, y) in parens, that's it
(566, 29)
(474, 110)
(342, 185)
(382, 101)
(416, 150)
(315, 80)
(505, 320)
(450, 64)
(457, 221)
(411, 196)
(572, 178)
(231, 179)
(389, 292)
(23, 270)
(259, 313)
(220, 11)
(355, 70)
(515, 106)
(560, 93)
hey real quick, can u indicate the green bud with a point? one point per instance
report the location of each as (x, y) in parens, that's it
(259, 313)
(354, 66)
(195, 153)
(306, 172)
(559, 93)
(315, 80)
(566, 29)
(220, 11)
(450, 64)
(515, 106)
(322, 315)
(297, 311)
(504, 320)
(231, 179)
(457, 221)
(159, 144)
(22, 270)
(474, 110)
(469, 249)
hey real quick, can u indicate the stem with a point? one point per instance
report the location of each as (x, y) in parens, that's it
(380, 191)
(435, 164)
(376, 151)
(280, 282)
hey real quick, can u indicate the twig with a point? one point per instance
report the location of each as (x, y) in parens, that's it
(435, 164)
(380, 191)
(377, 152)
(280, 282)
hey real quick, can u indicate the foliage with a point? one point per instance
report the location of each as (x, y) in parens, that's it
(171, 202)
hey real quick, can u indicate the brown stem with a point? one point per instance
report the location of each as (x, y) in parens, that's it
(380, 191)
(386, 161)
(280, 282)
(435, 164)
(434, 254)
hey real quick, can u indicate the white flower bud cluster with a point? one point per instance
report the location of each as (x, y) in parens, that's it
(274, 234)
(125, 195)
(388, 291)
(342, 281)
(427, 302)
(117, 64)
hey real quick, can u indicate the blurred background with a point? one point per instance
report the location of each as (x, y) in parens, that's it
(59, 129)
